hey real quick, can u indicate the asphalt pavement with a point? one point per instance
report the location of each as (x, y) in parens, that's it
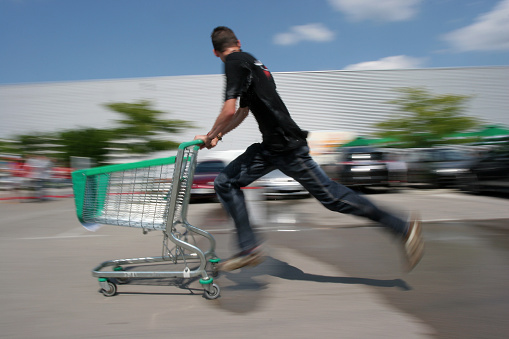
(303, 289)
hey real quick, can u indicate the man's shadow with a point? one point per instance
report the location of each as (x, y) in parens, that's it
(248, 289)
(280, 269)
(290, 272)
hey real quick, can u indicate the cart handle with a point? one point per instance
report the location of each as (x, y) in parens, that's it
(190, 143)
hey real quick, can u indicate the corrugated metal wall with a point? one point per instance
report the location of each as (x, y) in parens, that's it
(349, 101)
(353, 101)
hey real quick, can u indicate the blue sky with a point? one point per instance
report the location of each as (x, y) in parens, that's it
(72, 40)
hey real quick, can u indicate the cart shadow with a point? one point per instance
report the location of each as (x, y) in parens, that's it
(184, 286)
(244, 279)
(245, 290)
(187, 286)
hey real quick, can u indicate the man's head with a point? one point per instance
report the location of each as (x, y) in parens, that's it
(222, 39)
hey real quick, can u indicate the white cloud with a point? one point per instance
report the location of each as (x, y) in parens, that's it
(392, 62)
(489, 32)
(378, 10)
(310, 32)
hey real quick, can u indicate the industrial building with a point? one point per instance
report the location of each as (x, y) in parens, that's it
(341, 101)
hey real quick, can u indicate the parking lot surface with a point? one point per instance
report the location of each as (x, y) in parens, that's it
(326, 274)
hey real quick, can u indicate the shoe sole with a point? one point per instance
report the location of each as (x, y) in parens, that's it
(236, 263)
(414, 245)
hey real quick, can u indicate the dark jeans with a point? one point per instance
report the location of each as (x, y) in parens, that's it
(298, 164)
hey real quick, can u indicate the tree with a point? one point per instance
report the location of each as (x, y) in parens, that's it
(88, 142)
(143, 123)
(424, 118)
(40, 143)
(9, 147)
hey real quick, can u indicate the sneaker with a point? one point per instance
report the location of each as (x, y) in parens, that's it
(413, 243)
(252, 257)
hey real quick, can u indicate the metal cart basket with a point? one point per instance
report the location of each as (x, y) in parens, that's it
(151, 195)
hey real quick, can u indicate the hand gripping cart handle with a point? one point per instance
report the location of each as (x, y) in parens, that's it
(151, 195)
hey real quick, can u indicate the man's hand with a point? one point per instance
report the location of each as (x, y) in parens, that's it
(213, 142)
(207, 142)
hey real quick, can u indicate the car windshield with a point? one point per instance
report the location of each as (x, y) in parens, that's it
(209, 167)
(449, 155)
(437, 155)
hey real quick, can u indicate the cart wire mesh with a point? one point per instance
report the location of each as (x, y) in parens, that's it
(137, 194)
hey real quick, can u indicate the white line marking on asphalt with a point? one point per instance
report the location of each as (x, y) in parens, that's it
(65, 237)
(264, 229)
(76, 232)
(465, 219)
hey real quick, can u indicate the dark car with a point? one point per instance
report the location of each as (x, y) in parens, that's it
(436, 167)
(360, 167)
(203, 181)
(489, 173)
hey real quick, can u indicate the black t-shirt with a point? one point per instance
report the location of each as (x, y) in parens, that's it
(250, 80)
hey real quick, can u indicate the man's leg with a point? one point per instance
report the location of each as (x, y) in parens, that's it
(339, 198)
(332, 195)
(241, 172)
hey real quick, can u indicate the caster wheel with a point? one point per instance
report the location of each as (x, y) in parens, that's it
(213, 294)
(111, 291)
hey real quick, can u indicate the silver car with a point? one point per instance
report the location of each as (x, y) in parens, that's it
(277, 185)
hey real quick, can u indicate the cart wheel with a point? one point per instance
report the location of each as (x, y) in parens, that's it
(212, 294)
(111, 291)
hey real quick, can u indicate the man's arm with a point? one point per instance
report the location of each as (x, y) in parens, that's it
(238, 118)
(224, 119)
(228, 119)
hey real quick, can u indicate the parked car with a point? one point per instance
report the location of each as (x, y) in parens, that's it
(436, 167)
(489, 173)
(277, 185)
(203, 181)
(360, 167)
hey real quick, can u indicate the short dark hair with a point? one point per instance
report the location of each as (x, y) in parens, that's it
(222, 38)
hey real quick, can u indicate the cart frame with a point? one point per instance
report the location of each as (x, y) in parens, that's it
(109, 195)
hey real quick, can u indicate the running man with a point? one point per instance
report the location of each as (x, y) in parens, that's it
(284, 147)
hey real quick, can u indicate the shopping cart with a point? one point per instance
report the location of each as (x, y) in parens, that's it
(151, 195)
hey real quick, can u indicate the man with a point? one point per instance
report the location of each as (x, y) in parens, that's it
(39, 171)
(283, 147)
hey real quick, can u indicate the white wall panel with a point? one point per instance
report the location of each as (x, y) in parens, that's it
(349, 101)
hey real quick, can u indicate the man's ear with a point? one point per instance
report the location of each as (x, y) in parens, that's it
(215, 53)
